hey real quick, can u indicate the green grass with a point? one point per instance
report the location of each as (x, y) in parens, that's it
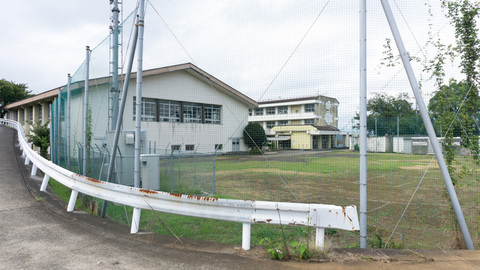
(392, 179)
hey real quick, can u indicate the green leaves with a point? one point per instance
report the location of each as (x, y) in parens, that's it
(301, 248)
(11, 92)
(41, 137)
(277, 252)
(254, 135)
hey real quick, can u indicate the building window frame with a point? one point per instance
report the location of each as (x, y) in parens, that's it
(168, 111)
(212, 114)
(310, 108)
(270, 124)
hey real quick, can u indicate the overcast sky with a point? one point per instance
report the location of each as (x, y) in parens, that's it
(250, 45)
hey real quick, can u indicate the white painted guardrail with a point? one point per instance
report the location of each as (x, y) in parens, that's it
(320, 216)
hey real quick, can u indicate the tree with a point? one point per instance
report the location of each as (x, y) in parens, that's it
(41, 137)
(11, 92)
(254, 135)
(445, 104)
(463, 15)
(383, 111)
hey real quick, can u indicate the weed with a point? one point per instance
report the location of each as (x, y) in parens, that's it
(301, 248)
(274, 248)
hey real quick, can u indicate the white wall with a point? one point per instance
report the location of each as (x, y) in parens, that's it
(182, 86)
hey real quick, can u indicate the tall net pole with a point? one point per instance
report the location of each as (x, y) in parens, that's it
(363, 124)
(428, 125)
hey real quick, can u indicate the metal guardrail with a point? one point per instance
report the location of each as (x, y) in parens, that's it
(320, 216)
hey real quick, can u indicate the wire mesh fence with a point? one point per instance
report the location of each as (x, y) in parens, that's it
(295, 74)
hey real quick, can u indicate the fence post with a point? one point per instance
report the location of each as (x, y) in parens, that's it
(46, 178)
(246, 232)
(135, 220)
(73, 199)
(171, 171)
(398, 135)
(34, 170)
(320, 238)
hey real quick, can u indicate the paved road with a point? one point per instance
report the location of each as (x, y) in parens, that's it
(37, 233)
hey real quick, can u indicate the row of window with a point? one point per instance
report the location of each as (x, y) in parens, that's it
(279, 110)
(159, 110)
(271, 124)
(191, 147)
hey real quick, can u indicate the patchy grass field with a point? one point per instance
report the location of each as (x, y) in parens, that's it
(330, 178)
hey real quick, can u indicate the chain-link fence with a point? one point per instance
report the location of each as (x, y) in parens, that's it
(294, 72)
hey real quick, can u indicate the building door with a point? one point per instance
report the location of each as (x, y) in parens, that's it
(235, 145)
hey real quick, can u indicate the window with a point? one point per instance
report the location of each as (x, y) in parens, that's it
(283, 110)
(282, 123)
(40, 116)
(31, 115)
(192, 113)
(310, 108)
(169, 111)
(212, 114)
(218, 147)
(270, 124)
(177, 111)
(309, 121)
(189, 147)
(271, 110)
(259, 111)
(148, 108)
(176, 147)
(250, 112)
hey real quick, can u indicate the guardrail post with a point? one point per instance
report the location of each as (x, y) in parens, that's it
(246, 236)
(46, 178)
(27, 160)
(135, 220)
(34, 170)
(73, 199)
(320, 238)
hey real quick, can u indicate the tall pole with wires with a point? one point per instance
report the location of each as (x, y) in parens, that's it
(114, 92)
(138, 117)
(363, 124)
(121, 109)
(85, 111)
(428, 125)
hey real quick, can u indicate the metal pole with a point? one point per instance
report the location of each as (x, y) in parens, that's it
(59, 123)
(52, 130)
(138, 101)
(171, 172)
(398, 134)
(120, 114)
(214, 169)
(85, 110)
(115, 91)
(138, 124)
(376, 136)
(68, 119)
(428, 125)
(363, 124)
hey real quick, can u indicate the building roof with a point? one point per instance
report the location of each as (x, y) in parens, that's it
(45, 96)
(294, 99)
(327, 128)
(188, 67)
